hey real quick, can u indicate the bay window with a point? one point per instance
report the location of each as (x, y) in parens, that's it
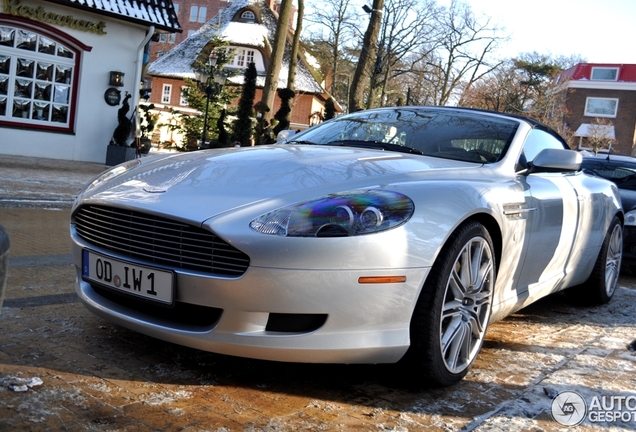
(36, 79)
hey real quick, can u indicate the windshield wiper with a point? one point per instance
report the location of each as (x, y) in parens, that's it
(300, 142)
(375, 145)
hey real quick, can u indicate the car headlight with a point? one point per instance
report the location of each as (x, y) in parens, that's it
(630, 218)
(337, 215)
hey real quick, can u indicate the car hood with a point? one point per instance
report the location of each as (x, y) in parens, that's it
(198, 185)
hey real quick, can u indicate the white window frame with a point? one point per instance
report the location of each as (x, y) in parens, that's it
(194, 13)
(243, 57)
(49, 78)
(591, 107)
(172, 38)
(599, 69)
(248, 15)
(166, 94)
(239, 58)
(183, 101)
(203, 11)
(163, 37)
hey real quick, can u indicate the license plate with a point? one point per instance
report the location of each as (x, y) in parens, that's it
(141, 281)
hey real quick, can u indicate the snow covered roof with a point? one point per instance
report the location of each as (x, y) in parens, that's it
(177, 63)
(583, 71)
(158, 13)
(248, 34)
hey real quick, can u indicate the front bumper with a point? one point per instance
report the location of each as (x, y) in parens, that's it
(365, 323)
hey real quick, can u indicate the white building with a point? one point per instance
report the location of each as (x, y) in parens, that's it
(59, 95)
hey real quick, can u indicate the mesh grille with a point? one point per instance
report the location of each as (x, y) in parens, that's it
(158, 240)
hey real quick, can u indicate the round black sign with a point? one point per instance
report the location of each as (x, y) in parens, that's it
(112, 96)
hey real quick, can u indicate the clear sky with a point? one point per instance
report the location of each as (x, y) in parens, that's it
(600, 31)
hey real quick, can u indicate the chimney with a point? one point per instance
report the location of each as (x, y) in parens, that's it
(274, 5)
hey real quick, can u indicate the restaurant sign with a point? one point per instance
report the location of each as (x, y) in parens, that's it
(16, 8)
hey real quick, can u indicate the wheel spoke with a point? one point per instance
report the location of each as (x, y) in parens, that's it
(476, 326)
(451, 308)
(456, 285)
(477, 251)
(454, 350)
(449, 334)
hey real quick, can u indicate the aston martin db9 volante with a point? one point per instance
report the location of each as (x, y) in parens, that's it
(383, 236)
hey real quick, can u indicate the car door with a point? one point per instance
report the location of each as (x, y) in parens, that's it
(552, 218)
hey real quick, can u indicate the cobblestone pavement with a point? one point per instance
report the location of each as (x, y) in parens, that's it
(62, 368)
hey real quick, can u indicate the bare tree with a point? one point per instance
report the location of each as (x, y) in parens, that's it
(367, 56)
(526, 85)
(293, 63)
(333, 33)
(498, 91)
(466, 46)
(293, 60)
(407, 26)
(600, 135)
(278, 51)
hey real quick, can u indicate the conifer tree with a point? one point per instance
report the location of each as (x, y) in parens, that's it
(286, 96)
(330, 109)
(242, 126)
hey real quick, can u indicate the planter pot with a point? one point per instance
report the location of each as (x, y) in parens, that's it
(117, 154)
(145, 144)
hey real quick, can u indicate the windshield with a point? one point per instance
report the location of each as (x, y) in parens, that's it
(468, 136)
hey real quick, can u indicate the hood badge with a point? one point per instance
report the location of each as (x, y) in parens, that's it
(163, 187)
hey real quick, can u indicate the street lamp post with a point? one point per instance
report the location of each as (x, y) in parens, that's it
(202, 75)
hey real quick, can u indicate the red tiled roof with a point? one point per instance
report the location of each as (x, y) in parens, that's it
(583, 71)
(158, 13)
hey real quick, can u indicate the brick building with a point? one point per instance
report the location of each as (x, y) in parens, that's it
(249, 27)
(65, 68)
(605, 95)
(192, 14)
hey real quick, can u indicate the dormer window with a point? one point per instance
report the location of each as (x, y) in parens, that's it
(248, 16)
(243, 56)
(604, 74)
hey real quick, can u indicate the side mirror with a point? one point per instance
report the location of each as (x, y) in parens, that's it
(556, 160)
(284, 135)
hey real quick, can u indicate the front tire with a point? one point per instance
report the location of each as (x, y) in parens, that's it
(451, 315)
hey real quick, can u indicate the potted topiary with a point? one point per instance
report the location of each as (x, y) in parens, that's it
(147, 127)
(118, 149)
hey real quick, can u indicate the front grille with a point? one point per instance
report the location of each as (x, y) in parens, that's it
(158, 240)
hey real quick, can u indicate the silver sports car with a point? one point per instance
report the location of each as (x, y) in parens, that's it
(383, 236)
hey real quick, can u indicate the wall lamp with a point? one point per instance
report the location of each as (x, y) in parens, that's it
(117, 79)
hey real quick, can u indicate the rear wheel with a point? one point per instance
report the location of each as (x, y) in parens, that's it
(601, 285)
(451, 315)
